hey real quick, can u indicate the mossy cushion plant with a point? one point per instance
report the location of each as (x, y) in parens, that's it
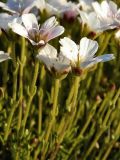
(58, 100)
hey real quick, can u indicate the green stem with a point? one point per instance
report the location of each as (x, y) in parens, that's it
(80, 109)
(93, 144)
(59, 141)
(53, 113)
(66, 121)
(41, 95)
(40, 112)
(108, 151)
(70, 96)
(5, 73)
(53, 155)
(10, 117)
(17, 156)
(15, 73)
(68, 104)
(98, 135)
(104, 103)
(74, 101)
(78, 139)
(104, 44)
(76, 87)
(117, 132)
(32, 92)
(73, 93)
(22, 63)
(28, 156)
(53, 116)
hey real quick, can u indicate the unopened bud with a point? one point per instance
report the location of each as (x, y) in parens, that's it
(98, 98)
(113, 87)
(69, 16)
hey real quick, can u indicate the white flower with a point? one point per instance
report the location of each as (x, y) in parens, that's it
(6, 19)
(4, 56)
(92, 21)
(61, 8)
(18, 6)
(108, 14)
(54, 62)
(40, 4)
(58, 7)
(37, 35)
(86, 5)
(82, 55)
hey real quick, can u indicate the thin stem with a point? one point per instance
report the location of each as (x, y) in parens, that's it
(117, 132)
(70, 96)
(76, 87)
(41, 95)
(40, 112)
(17, 156)
(93, 143)
(22, 63)
(74, 100)
(68, 119)
(98, 135)
(78, 139)
(32, 92)
(10, 117)
(15, 73)
(105, 44)
(5, 73)
(53, 115)
(68, 104)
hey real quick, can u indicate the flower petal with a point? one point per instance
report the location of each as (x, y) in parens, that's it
(29, 4)
(19, 29)
(50, 29)
(62, 64)
(97, 8)
(91, 20)
(30, 21)
(86, 5)
(6, 7)
(47, 54)
(55, 32)
(108, 14)
(4, 56)
(2, 5)
(5, 19)
(87, 49)
(49, 24)
(51, 10)
(49, 57)
(40, 4)
(113, 7)
(103, 58)
(69, 49)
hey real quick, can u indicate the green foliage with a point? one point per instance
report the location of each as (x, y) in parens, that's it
(77, 118)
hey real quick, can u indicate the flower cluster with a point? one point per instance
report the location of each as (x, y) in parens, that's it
(36, 34)
(105, 16)
(72, 56)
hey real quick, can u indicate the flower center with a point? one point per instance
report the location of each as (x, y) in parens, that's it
(34, 34)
